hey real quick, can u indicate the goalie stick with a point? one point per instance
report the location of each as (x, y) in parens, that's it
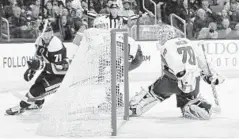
(214, 91)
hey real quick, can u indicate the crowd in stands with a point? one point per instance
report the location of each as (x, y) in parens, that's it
(67, 16)
(205, 19)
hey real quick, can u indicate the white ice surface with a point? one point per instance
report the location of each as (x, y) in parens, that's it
(163, 120)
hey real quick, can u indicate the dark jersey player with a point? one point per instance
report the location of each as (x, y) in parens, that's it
(51, 59)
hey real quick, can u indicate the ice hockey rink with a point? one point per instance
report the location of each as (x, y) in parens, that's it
(162, 121)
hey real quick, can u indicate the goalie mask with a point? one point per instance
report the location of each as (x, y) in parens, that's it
(166, 33)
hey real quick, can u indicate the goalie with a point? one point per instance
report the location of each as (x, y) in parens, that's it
(183, 66)
(51, 58)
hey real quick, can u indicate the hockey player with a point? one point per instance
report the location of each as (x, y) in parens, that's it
(183, 66)
(136, 55)
(51, 58)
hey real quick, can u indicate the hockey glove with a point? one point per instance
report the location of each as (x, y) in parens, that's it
(136, 62)
(29, 74)
(211, 79)
(35, 64)
(214, 79)
(139, 55)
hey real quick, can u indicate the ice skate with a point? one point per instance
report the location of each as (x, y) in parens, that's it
(15, 110)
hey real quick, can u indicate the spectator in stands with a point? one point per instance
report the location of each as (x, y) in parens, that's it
(71, 11)
(17, 23)
(201, 21)
(8, 9)
(36, 5)
(97, 5)
(209, 13)
(184, 13)
(126, 11)
(67, 30)
(225, 30)
(187, 16)
(231, 5)
(134, 6)
(76, 4)
(171, 7)
(65, 12)
(90, 9)
(234, 13)
(83, 26)
(84, 5)
(35, 14)
(77, 20)
(195, 4)
(50, 12)
(224, 15)
(209, 33)
(106, 10)
(235, 33)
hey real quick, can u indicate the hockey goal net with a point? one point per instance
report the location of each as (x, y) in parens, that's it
(93, 97)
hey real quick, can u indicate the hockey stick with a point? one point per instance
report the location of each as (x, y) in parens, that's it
(32, 100)
(214, 91)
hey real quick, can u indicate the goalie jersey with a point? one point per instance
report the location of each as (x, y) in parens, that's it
(179, 54)
(53, 54)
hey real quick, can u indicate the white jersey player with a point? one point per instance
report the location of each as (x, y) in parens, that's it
(183, 66)
(135, 52)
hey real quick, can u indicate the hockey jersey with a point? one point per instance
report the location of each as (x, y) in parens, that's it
(179, 53)
(54, 54)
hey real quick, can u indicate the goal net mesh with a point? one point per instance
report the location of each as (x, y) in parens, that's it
(82, 104)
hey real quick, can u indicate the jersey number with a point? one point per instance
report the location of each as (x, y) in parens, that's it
(185, 51)
(58, 57)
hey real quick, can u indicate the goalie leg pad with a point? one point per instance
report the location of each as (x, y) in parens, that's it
(197, 109)
(142, 102)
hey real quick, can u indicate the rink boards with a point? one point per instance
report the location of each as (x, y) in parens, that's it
(224, 55)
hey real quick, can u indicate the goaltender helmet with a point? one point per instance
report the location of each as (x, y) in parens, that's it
(167, 32)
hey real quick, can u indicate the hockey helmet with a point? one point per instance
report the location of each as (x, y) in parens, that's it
(166, 33)
(45, 26)
(100, 22)
(46, 29)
